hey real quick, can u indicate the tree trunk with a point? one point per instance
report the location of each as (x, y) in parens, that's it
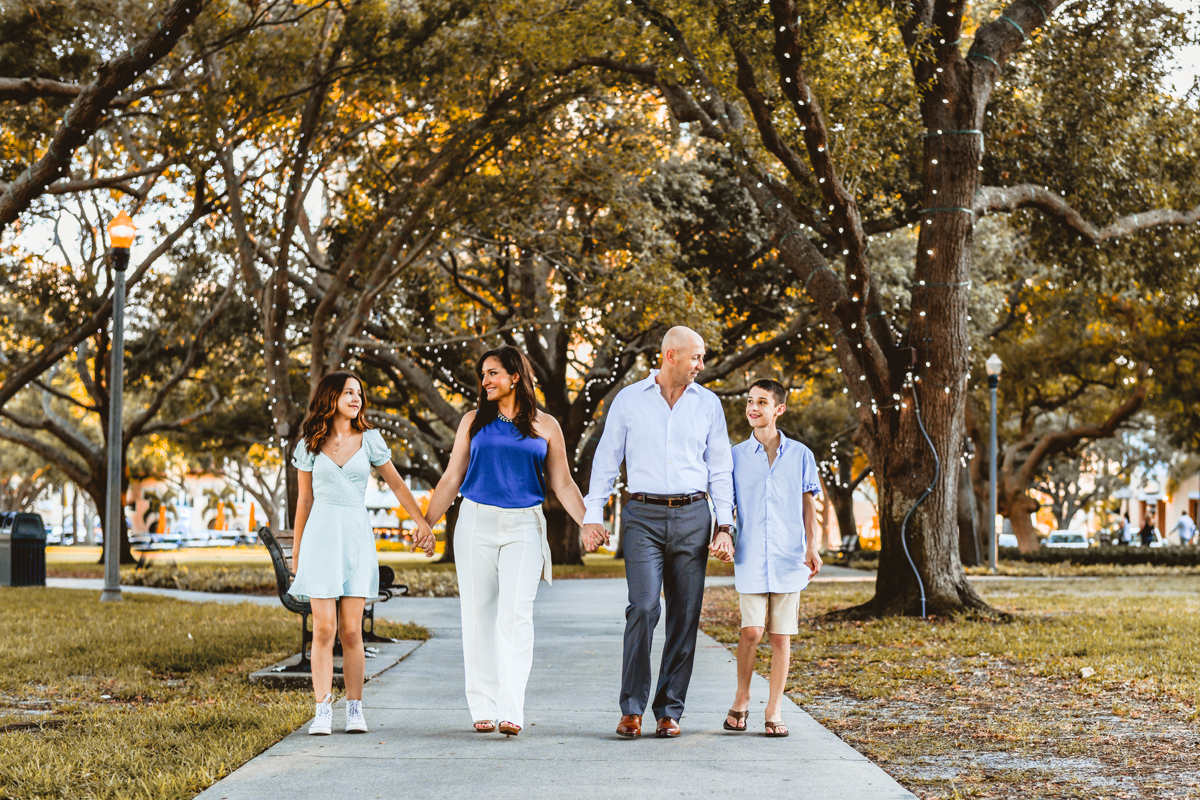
(292, 480)
(843, 510)
(566, 546)
(840, 493)
(98, 491)
(918, 507)
(931, 536)
(451, 524)
(1018, 509)
(970, 549)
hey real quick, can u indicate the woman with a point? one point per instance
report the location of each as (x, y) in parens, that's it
(502, 453)
(339, 568)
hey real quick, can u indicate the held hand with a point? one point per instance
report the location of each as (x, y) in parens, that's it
(813, 559)
(594, 535)
(722, 547)
(426, 539)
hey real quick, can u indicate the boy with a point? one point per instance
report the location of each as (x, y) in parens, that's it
(774, 481)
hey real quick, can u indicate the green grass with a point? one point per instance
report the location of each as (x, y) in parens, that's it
(424, 578)
(146, 698)
(987, 701)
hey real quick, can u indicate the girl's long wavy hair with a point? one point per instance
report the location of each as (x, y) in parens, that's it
(322, 408)
(514, 363)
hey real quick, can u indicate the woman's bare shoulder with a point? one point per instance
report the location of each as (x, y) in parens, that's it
(546, 424)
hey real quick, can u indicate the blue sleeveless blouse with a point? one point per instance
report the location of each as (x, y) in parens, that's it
(505, 469)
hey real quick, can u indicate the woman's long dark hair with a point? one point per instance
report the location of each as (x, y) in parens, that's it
(514, 363)
(323, 407)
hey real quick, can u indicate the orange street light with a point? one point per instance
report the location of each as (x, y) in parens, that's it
(120, 233)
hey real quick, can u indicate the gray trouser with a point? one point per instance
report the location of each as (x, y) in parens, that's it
(666, 550)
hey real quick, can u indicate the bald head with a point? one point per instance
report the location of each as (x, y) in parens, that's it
(681, 337)
(682, 355)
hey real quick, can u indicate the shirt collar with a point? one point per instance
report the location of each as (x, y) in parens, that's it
(758, 448)
(649, 383)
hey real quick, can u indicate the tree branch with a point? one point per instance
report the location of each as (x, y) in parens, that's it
(89, 108)
(1010, 198)
(51, 354)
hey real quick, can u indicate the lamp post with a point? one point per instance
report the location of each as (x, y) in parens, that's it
(120, 233)
(994, 365)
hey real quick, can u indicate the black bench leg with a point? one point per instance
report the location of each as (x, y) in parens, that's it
(305, 665)
(368, 627)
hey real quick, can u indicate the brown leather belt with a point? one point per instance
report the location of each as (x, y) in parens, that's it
(669, 500)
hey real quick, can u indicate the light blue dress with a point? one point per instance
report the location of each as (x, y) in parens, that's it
(337, 548)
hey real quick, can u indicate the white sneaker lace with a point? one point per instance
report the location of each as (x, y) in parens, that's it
(354, 713)
(324, 715)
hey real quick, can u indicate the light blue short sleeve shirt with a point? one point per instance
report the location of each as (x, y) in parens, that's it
(770, 549)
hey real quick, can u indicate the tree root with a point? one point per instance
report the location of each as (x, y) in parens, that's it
(969, 605)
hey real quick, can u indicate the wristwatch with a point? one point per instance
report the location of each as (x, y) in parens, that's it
(725, 529)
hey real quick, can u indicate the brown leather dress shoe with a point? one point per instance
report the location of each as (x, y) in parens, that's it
(630, 726)
(667, 728)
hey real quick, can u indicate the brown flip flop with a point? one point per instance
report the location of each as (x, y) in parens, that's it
(738, 716)
(485, 726)
(773, 726)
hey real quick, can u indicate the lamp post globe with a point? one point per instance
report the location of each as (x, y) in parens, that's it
(121, 232)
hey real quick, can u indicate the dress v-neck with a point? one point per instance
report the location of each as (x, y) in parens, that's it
(348, 460)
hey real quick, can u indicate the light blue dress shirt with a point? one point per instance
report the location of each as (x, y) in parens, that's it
(770, 548)
(1186, 528)
(666, 450)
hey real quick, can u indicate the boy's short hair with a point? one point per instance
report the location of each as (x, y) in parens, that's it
(775, 388)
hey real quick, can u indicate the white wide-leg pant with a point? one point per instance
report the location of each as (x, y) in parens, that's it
(499, 561)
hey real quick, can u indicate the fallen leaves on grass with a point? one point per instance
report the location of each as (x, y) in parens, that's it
(977, 708)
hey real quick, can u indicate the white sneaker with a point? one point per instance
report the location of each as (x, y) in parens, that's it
(322, 724)
(355, 721)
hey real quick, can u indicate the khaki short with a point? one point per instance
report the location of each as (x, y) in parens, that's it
(778, 613)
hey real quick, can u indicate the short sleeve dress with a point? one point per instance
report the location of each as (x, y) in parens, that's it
(337, 548)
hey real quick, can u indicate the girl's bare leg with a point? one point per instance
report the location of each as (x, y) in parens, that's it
(324, 616)
(353, 658)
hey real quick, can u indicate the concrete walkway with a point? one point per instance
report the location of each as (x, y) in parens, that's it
(421, 741)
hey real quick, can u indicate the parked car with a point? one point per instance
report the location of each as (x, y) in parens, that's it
(1067, 539)
(54, 535)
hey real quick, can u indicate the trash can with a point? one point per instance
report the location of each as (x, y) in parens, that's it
(22, 550)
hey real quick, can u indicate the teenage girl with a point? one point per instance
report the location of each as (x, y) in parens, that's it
(334, 551)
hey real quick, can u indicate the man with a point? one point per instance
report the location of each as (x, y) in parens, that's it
(671, 434)
(1186, 528)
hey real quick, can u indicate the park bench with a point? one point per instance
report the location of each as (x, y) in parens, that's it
(279, 545)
